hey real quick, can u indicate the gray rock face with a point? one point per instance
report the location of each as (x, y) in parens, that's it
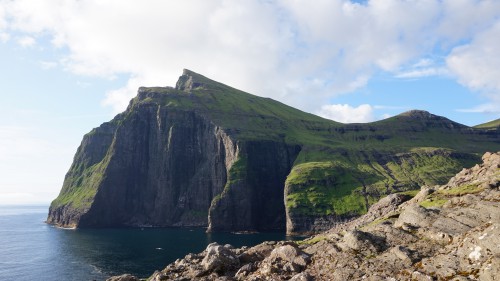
(162, 173)
(283, 259)
(257, 202)
(170, 167)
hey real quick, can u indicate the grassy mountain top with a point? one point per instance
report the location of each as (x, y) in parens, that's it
(243, 115)
(249, 117)
(489, 125)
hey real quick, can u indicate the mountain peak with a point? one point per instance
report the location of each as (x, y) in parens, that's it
(420, 114)
(189, 80)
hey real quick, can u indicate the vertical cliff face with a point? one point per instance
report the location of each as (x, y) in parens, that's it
(164, 169)
(252, 199)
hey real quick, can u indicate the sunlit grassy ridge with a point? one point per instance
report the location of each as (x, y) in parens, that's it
(489, 125)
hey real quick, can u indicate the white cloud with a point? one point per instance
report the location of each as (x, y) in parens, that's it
(26, 41)
(4, 37)
(386, 115)
(423, 72)
(347, 114)
(477, 65)
(293, 51)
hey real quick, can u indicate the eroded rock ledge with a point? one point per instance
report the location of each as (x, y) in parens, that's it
(448, 232)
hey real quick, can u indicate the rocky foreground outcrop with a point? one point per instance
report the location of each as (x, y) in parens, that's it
(449, 232)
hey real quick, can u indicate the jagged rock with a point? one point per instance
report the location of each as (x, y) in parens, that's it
(256, 253)
(124, 277)
(244, 271)
(285, 260)
(415, 216)
(402, 253)
(219, 258)
(361, 242)
(304, 276)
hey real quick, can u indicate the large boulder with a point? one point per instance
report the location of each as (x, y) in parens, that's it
(285, 259)
(219, 258)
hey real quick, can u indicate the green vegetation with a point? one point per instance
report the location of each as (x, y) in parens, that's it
(325, 188)
(433, 202)
(411, 193)
(349, 185)
(313, 240)
(440, 197)
(489, 125)
(79, 189)
(462, 190)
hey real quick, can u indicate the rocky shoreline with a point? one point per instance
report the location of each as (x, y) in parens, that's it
(448, 232)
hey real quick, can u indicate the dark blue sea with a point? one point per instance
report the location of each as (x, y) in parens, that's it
(33, 250)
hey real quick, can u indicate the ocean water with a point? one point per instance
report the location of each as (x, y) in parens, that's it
(33, 250)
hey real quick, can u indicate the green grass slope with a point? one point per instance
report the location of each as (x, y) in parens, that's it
(489, 125)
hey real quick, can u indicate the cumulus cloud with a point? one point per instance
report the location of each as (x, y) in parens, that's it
(293, 51)
(477, 66)
(345, 113)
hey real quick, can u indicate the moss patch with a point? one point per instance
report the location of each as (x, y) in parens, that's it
(313, 240)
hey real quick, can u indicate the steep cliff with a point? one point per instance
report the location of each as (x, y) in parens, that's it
(205, 154)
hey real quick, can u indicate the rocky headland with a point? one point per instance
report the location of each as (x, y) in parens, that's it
(205, 154)
(446, 232)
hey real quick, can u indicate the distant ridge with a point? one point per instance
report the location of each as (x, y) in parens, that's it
(489, 125)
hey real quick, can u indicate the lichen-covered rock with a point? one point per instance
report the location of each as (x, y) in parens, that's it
(362, 242)
(415, 216)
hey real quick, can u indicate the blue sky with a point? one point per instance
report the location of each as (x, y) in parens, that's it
(67, 66)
